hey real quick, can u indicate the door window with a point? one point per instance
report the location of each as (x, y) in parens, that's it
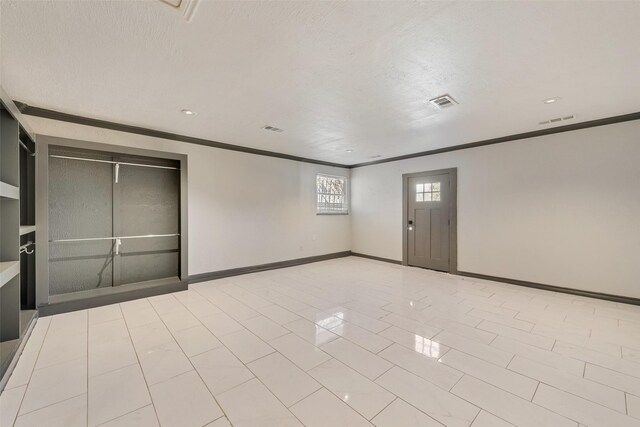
(428, 192)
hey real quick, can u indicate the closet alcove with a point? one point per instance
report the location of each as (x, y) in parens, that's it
(115, 221)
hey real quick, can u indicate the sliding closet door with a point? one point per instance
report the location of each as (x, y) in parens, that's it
(146, 203)
(80, 206)
(113, 220)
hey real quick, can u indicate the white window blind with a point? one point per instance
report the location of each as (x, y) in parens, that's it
(331, 194)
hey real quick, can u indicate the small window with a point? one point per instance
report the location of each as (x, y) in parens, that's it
(331, 193)
(429, 192)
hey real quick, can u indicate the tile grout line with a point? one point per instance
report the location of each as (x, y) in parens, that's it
(368, 379)
(190, 362)
(518, 397)
(599, 364)
(477, 415)
(536, 391)
(245, 365)
(456, 383)
(34, 364)
(50, 405)
(385, 407)
(379, 294)
(322, 386)
(557, 413)
(567, 392)
(138, 359)
(295, 313)
(319, 347)
(32, 370)
(123, 415)
(449, 392)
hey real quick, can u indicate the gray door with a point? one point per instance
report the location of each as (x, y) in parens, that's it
(428, 215)
(89, 200)
(80, 205)
(146, 202)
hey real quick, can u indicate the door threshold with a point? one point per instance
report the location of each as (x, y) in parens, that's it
(430, 269)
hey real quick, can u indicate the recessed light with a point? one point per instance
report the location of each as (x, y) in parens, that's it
(188, 112)
(551, 100)
(349, 150)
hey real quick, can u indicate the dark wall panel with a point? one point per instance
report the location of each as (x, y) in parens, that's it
(80, 206)
(149, 204)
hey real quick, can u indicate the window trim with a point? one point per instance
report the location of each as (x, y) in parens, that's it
(346, 194)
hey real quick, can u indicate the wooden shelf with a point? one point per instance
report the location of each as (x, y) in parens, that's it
(8, 270)
(26, 229)
(9, 191)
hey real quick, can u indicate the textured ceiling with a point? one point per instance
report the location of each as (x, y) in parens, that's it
(333, 75)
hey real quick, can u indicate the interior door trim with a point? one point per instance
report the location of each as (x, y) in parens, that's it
(453, 215)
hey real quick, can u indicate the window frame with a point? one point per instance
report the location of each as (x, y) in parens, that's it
(347, 204)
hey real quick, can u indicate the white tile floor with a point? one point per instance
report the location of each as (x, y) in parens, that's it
(342, 342)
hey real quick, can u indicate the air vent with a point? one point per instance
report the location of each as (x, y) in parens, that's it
(187, 7)
(556, 120)
(442, 102)
(273, 129)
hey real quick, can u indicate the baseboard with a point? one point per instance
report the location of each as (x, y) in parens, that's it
(213, 275)
(112, 298)
(377, 258)
(590, 294)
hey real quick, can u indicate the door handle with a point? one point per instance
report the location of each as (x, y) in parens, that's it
(410, 225)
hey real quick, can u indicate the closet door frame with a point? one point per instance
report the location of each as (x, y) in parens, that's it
(117, 293)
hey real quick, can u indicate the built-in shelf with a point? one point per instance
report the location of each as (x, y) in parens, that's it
(17, 203)
(7, 351)
(9, 191)
(26, 229)
(8, 270)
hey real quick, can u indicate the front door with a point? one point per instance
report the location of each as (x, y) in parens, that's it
(428, 221)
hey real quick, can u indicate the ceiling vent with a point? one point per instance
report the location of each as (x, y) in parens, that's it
(186, 7)
(273, 129)
(556, 120)
(442, 102)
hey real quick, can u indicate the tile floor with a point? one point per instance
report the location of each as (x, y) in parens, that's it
(342, 342)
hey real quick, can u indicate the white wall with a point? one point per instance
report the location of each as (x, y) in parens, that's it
(562, 209)
(243, 209)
